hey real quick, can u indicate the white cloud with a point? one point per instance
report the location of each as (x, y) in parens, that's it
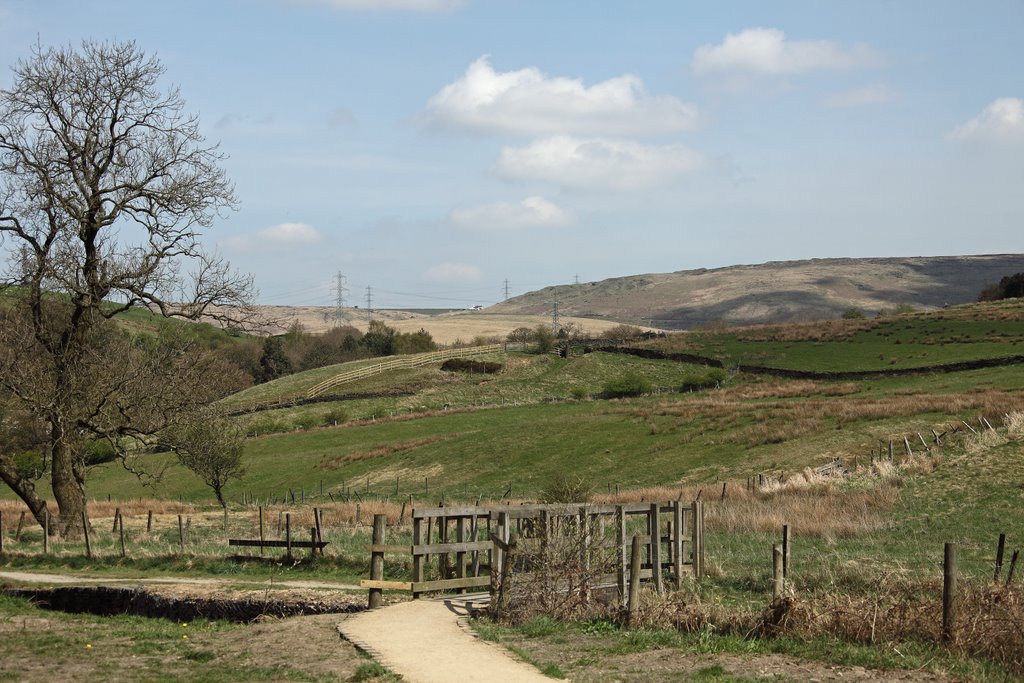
(453, 272)
(597, 163)
(529, 102)
(859, 97)
(1000, 121)
(532, 212)
(385, 5)
(276, 237)
(767, 51)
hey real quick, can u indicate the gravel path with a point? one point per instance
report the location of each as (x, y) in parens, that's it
(424, 642)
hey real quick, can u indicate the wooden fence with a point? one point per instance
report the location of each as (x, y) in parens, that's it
(464, 546)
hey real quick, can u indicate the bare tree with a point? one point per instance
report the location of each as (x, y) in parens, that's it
(105, 187)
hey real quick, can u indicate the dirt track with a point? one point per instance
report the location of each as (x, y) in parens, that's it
(423, 641)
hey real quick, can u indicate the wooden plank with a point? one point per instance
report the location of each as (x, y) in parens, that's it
(386, 585)
(450, 584)
(438, 548)
(275, 543)
(450, 512)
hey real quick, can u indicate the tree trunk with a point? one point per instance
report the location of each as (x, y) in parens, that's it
(24, 489)
(68, 490)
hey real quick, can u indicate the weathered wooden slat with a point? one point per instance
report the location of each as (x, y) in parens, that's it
(451, 512)
(438, 548)
(275, 543)
(386, 585)
(449, 584)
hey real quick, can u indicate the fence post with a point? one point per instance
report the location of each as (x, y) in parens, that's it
(948, 592)
(117, 516)
(261, 530)
(85, 530)
(778, 583)
(1000, 548)
(1013, 566)
(288, 534)
(120, 527)
(785, 551)
(181, 536)
(376, 598)
(634, 580)
(149, 522)
(697, 537)
(620, 541)
(655, 526)
(21, 524)
(460, 556)
(417, 559)
(677, 543)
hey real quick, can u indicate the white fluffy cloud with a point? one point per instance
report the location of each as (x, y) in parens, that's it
(767, 51)
(1000, 121)
(529, 102)
(596, 163)
(532, 212)
(453, 272)
(277, 236)
(859, 97)
(384, 5)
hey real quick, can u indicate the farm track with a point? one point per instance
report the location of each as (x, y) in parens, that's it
(426, 641)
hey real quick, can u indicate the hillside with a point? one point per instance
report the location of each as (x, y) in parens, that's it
(775, 292)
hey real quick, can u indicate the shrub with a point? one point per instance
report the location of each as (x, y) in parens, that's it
(578, 393)
(853, 313)
(307, 421)
(335, 416)
(630, 383)
(695, 382)
(567, 488)
(1009, 287)
(468, 365)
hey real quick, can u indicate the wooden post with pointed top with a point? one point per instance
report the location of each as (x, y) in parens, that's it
(949, 593)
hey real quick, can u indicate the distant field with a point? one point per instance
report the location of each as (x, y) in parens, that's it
(917, 340)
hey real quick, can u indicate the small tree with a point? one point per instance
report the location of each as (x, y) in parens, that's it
(544, 338)
(853, 313)
(210, 447)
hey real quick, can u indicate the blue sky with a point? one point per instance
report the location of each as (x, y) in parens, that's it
(432, 149)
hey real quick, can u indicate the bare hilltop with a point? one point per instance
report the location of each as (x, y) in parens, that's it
(774, 292)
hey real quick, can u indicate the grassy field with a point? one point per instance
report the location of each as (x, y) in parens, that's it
(878, 531)
(955, 334)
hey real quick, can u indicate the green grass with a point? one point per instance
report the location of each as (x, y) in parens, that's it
(920, 340)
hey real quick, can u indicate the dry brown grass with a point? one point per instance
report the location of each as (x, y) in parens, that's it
(779, 388)
(823, 330)
(781, 420)
(383, 450)
(99, 509)
(1014, 423)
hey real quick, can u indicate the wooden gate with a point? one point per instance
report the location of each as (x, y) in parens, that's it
(460, 548)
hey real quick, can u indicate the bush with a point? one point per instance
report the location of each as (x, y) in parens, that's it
(629, 384)
(468, 365)
(566, 488)
(853, 313)
(334, 416)
(1009, 287)
(308, 421)
(578, 393)
(708, 380)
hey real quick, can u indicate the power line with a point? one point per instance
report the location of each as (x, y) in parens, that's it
(369, 304)
(506, 289)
